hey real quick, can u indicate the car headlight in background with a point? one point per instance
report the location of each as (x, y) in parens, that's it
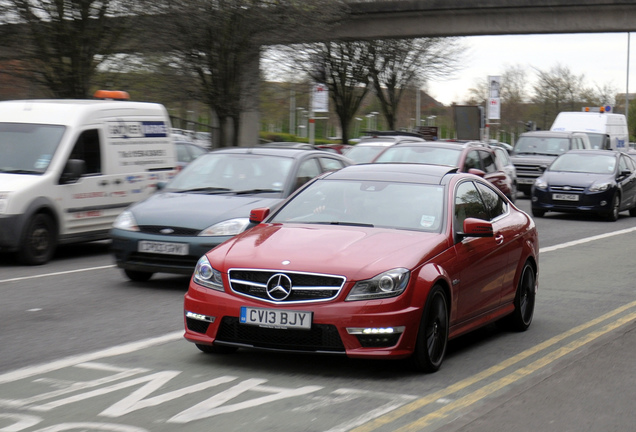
(4, 201)
(600, 186)
(227, 228)
(541, 184)
(388, 284)
(126, 221)
(205, 275)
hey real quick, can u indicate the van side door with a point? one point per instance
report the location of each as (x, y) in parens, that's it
(86, 201)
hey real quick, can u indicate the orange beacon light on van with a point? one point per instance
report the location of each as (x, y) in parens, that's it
(111, 95)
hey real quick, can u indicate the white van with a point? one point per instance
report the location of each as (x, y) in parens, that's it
(606, 130)
(69, 167)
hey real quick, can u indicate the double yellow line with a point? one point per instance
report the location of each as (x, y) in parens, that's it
(514, 376)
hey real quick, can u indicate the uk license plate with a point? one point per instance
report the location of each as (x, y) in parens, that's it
(276, 318)
(163, 248)
(525, 180)
(565, 197)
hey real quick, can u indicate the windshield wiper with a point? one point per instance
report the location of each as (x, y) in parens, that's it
(205, 189)
(360, 224)
(256, 191)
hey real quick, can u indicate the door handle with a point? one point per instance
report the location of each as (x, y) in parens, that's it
(499, 238)
(103, 183)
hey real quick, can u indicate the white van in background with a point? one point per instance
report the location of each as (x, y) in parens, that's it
(606, 130)
(69, 167)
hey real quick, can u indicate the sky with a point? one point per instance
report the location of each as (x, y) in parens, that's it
(600, 57)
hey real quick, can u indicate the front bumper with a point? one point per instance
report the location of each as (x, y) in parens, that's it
(600, 202)
(336, 325)
(124, 246)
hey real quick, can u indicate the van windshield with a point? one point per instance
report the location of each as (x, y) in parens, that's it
(28, 148)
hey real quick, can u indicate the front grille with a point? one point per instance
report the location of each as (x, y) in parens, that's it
(321, 337)
(176, 231)
(305, 287)
(567, 189)
(197, 326)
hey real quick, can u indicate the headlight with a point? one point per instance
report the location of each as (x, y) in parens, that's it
(4, 201)
(388, 284)
(600, 187)
(540, 183)
(207, 276)
(226, 228)
(126, 221)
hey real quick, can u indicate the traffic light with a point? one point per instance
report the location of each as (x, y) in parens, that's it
(529, 126)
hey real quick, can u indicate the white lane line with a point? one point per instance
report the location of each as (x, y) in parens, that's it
(586, 240)
(30, 371)
(56, 273)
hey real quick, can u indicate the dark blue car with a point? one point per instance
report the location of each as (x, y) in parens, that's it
(601, 182)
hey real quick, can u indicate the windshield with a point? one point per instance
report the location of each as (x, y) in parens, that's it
(363, 154)
(367, 203)
(585, 163)
(28, 148)
(598, 141)
(542, 145)
(232, 172)
(422, 154)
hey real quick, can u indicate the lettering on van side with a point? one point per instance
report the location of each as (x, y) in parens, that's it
(141, 153)
(139, 129)
(87, 195)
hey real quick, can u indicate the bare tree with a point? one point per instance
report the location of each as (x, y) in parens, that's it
(556, 89)
(218, 43)
(399, 64)
(344, 67)
(63, 42)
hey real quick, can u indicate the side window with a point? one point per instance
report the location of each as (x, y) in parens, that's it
(330, 164)
(494, 203)
(472, 161)
(489, 162)
(468, 204)
(307, 170)
(87, 148)
(624, 165)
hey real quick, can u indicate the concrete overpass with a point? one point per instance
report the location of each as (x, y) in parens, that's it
(378, 19)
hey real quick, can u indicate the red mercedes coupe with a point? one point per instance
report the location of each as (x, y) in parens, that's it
(372, 261)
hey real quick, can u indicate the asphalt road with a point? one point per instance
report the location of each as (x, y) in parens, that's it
(82, 348)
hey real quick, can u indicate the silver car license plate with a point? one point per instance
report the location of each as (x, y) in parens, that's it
(164, 248)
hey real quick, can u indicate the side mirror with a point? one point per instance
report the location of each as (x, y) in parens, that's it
(476, 172)
(474, 227)
(72, 171)
(258, 215)
(161, 185)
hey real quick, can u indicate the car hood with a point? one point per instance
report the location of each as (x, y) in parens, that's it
(195, 210)
(354, 252)
(574, 179)
(18, 182)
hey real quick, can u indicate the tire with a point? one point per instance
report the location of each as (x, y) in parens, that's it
(38, 241)
(524, 301)
(538, 212)
(217, 349)
(614, 212)
(432, 336)
(138, 276)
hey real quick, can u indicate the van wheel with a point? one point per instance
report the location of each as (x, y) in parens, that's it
(138, 276)
(39, 241)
